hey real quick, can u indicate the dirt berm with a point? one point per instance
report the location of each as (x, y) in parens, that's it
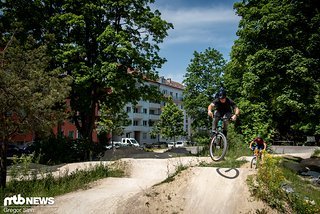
(195, 190)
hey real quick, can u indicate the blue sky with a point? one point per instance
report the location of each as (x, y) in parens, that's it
(198, 25)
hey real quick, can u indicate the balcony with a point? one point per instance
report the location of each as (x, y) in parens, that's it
(154, 116)
(154, 105)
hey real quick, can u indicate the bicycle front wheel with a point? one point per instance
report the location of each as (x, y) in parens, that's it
(218, 147)
(254, 162)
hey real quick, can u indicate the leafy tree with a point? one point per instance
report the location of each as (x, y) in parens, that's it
(275, 63)
(202, 81)
(111, 122)
(170, 124)
(104, 45)
(32, 98)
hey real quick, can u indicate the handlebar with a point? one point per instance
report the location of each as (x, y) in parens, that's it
(224, 118)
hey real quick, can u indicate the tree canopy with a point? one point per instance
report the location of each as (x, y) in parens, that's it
(105, 46)
(170, 124)
(274, 67)
(202, 81)
(31, 96)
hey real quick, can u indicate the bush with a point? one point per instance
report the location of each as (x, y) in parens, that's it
(237, 146)
(282, 189)
(59, 150)
(48, 186)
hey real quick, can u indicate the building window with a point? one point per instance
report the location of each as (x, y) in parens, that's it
(135, 110)
(135, 123)
(144, 136)
(78, 135)
(145, 111)
(128, 135)
(145, 123)
(128, 109)
(71, 134)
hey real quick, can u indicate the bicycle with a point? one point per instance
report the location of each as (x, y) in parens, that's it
(256, 158)
(218, 144)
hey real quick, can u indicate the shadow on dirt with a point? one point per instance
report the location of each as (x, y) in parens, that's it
(228, 173)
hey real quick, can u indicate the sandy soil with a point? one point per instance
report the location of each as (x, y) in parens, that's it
(198, 190)
(195, 190)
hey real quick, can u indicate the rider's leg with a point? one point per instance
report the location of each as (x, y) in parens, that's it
(226, 122)
(225, 132)
(260, 151)
(216, 118)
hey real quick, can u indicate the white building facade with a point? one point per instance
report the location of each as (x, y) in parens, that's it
(145, 114)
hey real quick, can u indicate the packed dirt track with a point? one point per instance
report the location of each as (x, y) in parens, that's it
(198, 190)
(195, 190)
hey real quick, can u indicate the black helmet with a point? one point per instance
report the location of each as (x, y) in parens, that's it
(222, 94)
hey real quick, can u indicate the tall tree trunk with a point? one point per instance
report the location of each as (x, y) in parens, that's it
(85, 117)
(85, 122)
(3, 164)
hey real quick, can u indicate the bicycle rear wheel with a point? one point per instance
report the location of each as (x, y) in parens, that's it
(218, 147)
(254, 163)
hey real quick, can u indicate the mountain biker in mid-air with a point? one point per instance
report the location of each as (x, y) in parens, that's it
(223, 108)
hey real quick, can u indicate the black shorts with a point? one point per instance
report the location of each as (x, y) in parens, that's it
(219, 114)
(259, 147)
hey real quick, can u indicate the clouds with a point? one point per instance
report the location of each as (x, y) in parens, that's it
(199, 24)
(191, 16)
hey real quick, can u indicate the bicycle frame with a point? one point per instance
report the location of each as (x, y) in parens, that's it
(218, 144)
(220, 124)
(256, 152)
(256, 158)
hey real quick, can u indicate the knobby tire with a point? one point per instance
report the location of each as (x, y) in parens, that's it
(218, 147)
(254, 163)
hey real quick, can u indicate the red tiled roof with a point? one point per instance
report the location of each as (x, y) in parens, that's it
(174, 84)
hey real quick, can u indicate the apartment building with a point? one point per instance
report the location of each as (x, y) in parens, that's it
(144, 114)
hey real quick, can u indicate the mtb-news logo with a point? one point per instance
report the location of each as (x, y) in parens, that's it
(18, 200)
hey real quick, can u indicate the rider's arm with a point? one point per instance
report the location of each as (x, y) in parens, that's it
(265, 146)
(210, 108)
(250, 144)
(236, 111)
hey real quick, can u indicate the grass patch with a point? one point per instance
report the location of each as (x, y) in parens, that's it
(282, 189)
(179, 168)
(306, 197)
(316, 153)
(236, 149)
(49, 186)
